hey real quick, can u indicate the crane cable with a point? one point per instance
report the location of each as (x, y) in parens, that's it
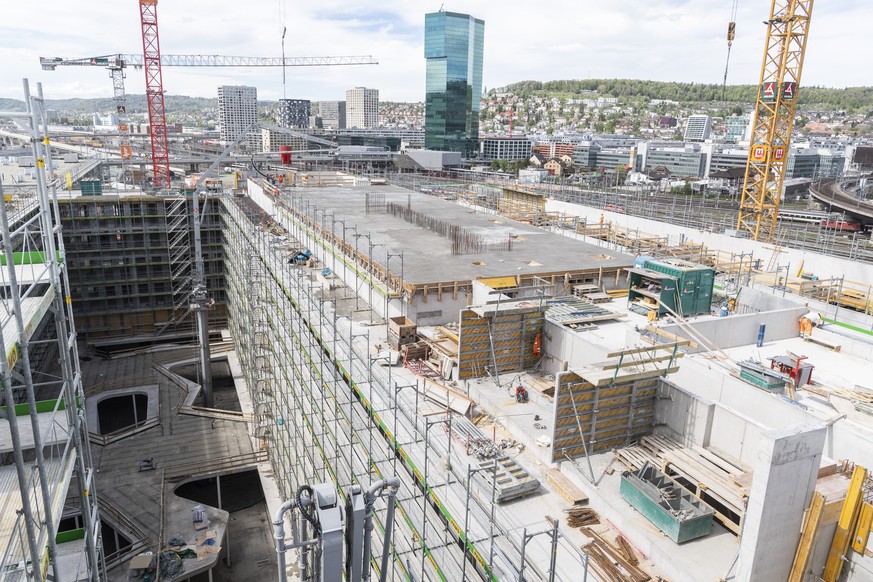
(732, 25)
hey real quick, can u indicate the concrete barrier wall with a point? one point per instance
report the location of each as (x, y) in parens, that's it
(740, 413)
(822, 265)
(738, 330)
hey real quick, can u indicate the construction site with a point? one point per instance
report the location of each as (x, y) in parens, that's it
(278, 373)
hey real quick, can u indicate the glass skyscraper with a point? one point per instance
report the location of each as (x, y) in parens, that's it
(453, 46)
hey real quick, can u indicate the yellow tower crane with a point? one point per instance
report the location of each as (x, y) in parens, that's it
(787, 31)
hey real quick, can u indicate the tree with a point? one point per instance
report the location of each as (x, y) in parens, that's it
(620, 173)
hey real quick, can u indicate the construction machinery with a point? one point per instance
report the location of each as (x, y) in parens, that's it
(784, 48)
(333, 542)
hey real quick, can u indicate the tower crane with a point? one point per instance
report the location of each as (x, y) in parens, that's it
(117, 64)
(784, 48)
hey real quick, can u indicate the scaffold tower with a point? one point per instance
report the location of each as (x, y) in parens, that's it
(47, 473)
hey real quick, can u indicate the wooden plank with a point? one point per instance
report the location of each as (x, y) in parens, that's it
(670, 336)
(824, 343)
(845, 525)
(809, 532)
(566, 488)
(862, 531)
(669, 346)
(631, 362)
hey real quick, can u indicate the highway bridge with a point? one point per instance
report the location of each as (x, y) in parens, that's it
(842, 196)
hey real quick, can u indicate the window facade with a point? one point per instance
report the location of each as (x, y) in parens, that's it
(453, 47)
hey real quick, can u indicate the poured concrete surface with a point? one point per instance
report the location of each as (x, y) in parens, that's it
(427, 256)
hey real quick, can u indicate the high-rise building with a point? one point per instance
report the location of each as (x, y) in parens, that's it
(294, 113)
(362, 108)
(698, 127)
(237, 110)
(453, 47)
(332, 114)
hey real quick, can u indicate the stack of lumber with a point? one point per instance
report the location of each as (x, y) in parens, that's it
(608, 562)
(582, 516)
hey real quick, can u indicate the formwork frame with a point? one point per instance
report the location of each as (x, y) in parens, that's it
(53, 465)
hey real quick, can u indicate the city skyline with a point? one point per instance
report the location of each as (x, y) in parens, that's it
(635, 40)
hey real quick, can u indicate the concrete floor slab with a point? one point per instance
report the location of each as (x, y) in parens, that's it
(428, 256)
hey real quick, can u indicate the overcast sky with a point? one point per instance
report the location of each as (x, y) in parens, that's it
(664, 40)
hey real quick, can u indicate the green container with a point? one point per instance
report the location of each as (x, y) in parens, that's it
(91, 187)
(672, 509)
(694, 283)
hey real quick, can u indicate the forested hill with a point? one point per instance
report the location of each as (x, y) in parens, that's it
(857, 99)
(135, 104)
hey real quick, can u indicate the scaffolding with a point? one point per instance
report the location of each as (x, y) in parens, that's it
(336, 415)
(129, 261)
(47, 472)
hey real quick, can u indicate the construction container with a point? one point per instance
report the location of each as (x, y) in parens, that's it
(763, 377)
(672, 509)
(672, 284)
(91, 187)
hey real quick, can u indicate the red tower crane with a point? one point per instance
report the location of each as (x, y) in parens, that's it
(151, 53)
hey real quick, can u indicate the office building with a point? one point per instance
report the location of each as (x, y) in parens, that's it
(504, 148)
(362, 108)
(237, 110)
(698, 128)
(453, 47)
(294, 113)
(332, 114)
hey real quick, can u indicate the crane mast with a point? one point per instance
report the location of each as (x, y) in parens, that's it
(785, 45)
(151, 52)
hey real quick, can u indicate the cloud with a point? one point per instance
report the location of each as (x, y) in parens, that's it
(666, 40)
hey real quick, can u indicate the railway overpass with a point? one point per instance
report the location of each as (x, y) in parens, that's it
(841, 196)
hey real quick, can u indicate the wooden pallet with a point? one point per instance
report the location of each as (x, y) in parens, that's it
(711, 476)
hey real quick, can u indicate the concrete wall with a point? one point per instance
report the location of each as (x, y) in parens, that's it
(738, 330)
(561, 344)
(742, 412)
(752, 299)
(696, 421)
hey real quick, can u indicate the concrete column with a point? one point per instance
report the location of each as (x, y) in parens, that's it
(782, 487)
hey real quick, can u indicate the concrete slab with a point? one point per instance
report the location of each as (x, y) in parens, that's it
(428, 256)
(178, 440)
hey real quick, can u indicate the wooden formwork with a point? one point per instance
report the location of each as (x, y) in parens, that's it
(505, 339)
(514, 200)
(600, 418)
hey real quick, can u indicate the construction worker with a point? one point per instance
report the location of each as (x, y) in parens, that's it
(520, 394)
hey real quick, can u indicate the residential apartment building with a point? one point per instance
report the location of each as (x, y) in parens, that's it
(271, 140)
(362, 108)
(698, 128)
(294, 113)
(737, 128)
(453, 47)
(237, 110)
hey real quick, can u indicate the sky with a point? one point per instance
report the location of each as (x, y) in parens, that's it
(662, 40)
